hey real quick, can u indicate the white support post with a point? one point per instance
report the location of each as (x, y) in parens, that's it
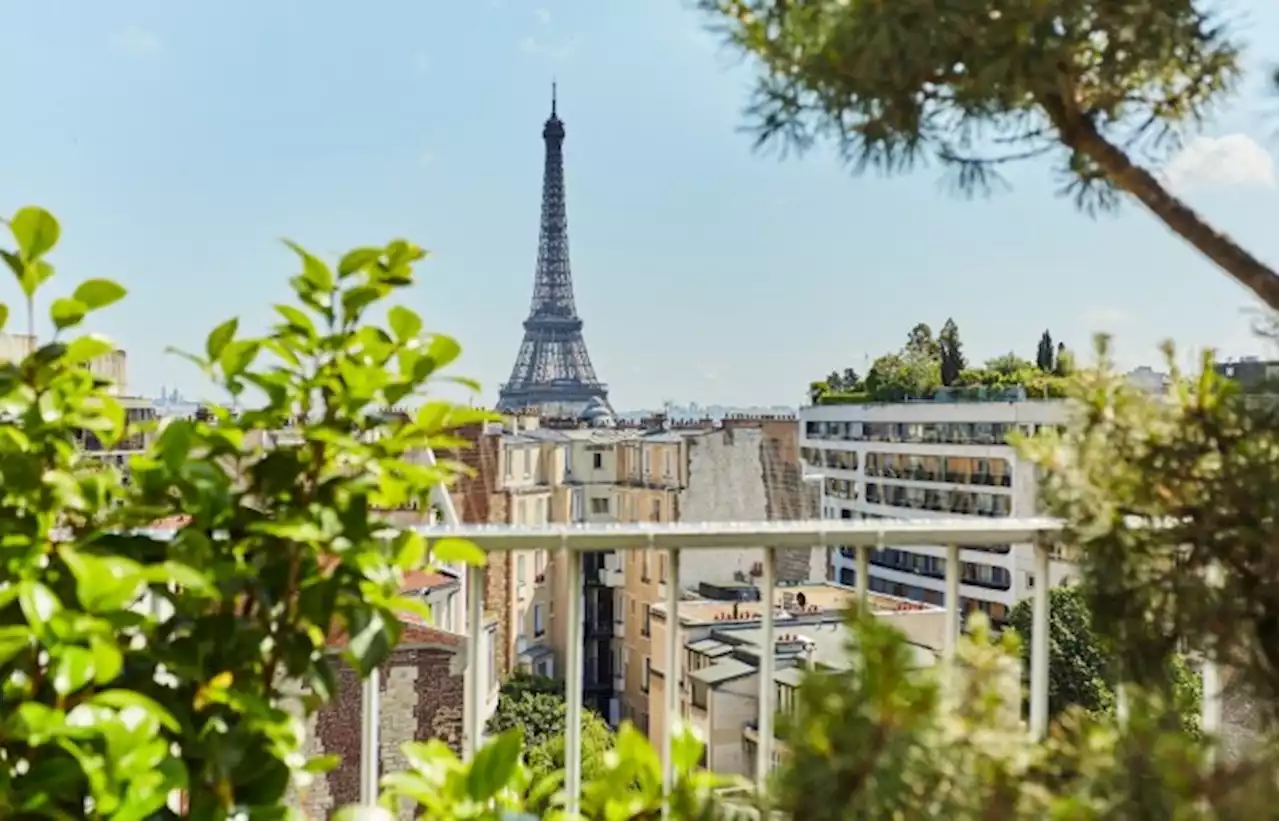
(764, 746)
(573, 686)
(474, 683)
(1040, 644)
(673, 673)
(370, 746)
(951, 615)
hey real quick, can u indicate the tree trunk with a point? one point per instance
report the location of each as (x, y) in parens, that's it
(1230, 257)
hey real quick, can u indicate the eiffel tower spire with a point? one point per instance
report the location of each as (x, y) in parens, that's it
(553, 374)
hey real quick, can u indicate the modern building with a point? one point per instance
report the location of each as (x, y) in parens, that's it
(553, 375)
(931, 459)
(722, 644)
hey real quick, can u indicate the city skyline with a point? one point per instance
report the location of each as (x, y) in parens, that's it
(704, 271)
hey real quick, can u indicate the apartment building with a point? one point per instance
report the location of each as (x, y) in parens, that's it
(112, 366)
(722, 644)
(931, 460)
(593, 469)
(518, 478)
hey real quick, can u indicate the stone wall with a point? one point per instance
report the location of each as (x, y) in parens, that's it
(422, 698)
(747, 471)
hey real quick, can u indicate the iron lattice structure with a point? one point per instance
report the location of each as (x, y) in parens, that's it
(553, 374)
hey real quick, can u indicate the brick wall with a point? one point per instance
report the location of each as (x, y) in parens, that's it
(478, 500)
(422, 698)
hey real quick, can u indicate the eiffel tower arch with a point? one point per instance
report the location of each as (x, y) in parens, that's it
(553, 375)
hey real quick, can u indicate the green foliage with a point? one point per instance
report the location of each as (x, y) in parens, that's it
(1078, 669)
(1105, 89)
(497, 785)
(596, 739)
(522, 682)
(925, 366)
(134, 666)
(950, 353)
(1171, 503)
(1080, 672)
(886, 739)
(535, 707)
(1045, 353)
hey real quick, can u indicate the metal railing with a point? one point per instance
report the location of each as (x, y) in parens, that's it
(1037, 535)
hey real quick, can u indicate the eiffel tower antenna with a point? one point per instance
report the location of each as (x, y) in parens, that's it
(553, 375)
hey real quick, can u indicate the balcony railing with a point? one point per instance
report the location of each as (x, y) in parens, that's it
(1037, 535)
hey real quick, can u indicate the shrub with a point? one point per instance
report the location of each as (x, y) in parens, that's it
(108, 705)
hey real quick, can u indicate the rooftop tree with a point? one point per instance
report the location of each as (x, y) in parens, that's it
(1102, 89)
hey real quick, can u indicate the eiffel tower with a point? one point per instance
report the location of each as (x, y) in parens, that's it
(553, 374)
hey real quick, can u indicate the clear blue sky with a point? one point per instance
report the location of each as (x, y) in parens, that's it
(178, 141)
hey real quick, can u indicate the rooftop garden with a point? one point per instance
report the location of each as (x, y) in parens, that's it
(934, 369)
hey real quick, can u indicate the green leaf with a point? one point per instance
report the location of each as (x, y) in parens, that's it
(314, 272)
(443, 350)
(357, 259)
(405, 324)
(36, 231)
(86, 349)
(14, 638)
(182, 575)
(411, 550)
(412, 605)
(237, 356)
(103, 583)
(355, 300)
(120, 699)
(99, 293)
(494, 765)
(73, 670)
(297, 319)
(67, 312)
(458, 550)
(4, 315)
(371, 640)
(38, 603)
(219, 337)
(108, 660)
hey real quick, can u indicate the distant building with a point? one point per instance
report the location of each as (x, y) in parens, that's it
(1253, 374)
(939, 460)
(113, 366)
(718, 671)
(1148, 379)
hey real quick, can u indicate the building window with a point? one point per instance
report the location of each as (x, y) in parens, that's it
(644, 677)
(644, 629)
(545, 669)
(597, 460)
(539, 624)
(656, 512)
(600, 505)
(644, 566)
(527, 461)
(521, 571)
(666, 463)
(662, 568)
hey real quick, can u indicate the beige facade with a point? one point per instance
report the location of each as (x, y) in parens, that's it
(113, 366)
(543, 471)
(720, 648)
